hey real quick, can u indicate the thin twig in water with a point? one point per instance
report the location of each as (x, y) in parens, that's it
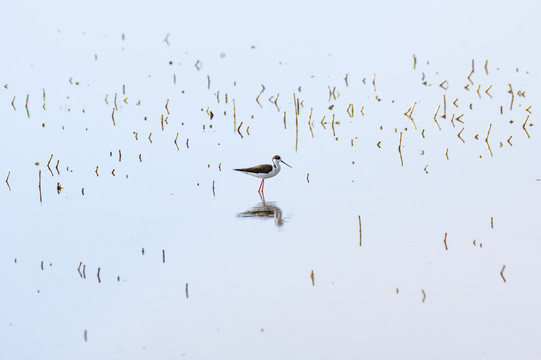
(445, 241)
(400, 150)
(238, 130)
(444, 85)
(444, 107)
(486, 91)
(486, 139)
(7, 181)
(350, 110)
(436, 114)
(309, 122)
(512, 96)
(39, 187)
(460, 132)
(257, 100)
(524, 126)
(360, 232)
(295, 103)
(26, 106)
(501, 274)
(48, 163)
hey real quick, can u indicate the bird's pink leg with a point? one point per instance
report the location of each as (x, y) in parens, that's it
(260, 190)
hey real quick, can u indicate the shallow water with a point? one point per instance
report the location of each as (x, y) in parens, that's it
(146, 244)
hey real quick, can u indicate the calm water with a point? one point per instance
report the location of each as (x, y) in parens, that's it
(146, 244)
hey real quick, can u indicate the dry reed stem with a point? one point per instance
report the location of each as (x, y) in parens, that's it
(524, 126)
(48, 163)
(39, 187)
(309, 122)
(238, 130)
(350, 110)
(486, 91)
(445, 241)
(400, 150)
(360, 232)
(460, 137)
(510, 91)
(444, 107)
(486, 139)
(7, 181)
(436, 120)
(501, 274)
(26, 105)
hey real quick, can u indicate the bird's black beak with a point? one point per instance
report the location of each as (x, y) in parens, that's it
(285, 163)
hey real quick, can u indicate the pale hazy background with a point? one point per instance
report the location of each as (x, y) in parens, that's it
(236, 282)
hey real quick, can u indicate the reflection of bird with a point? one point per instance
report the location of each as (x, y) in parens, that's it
(264, 171)
(264, 211)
